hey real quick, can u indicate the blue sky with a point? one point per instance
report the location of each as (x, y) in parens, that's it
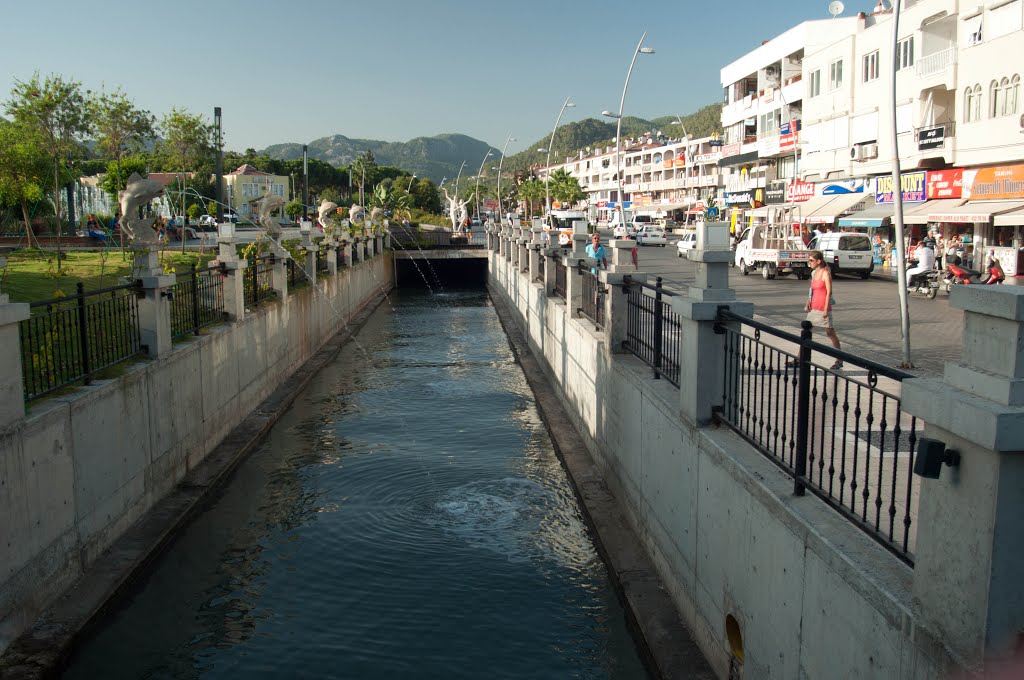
(393, 69)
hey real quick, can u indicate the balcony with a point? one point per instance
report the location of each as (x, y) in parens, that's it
(709, 180)
(936, 64)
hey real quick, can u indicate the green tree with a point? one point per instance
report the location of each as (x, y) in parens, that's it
(565, 188)
(55, 110)
(122, 128)
(188, 144)
(293, 209)
(531, 191)
(129, 164)
(363, 172)
(24, 165)
(425, 196)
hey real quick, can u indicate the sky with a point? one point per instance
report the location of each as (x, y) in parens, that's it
(393, 70)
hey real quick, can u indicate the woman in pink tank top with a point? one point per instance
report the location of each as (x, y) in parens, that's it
(819, 300)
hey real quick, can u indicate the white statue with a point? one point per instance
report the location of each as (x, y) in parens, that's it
(356, 216)
(463, 214)
(453, 210)
(327, 219)
(376, 219)
(137, 193)
(269, 203)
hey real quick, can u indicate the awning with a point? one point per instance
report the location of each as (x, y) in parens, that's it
(1009, 219)
(874, 215)
(918, 214)
(669, 206)
(738, 159)
(958, 211)
(840, 204)
(804, 209)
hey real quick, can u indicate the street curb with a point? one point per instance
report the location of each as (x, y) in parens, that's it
(664, 641)
(41, 651)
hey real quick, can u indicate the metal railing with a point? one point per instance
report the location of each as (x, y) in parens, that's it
(592, 300)
(69, 339)
(560, 276)
(935, 63)
(653, 329)
(257, 285)
(196, 300)
(321, 262)
(339, 257)
(843, 437)
(296, 274)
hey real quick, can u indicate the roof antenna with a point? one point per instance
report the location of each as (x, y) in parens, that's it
(836, 7)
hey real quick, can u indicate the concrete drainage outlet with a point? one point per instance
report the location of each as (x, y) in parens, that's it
(735, 637)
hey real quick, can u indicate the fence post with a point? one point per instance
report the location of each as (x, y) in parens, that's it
(621, 260)
(12, 385)
(232, 268)
(332, 258)
(279, 273)
(194, 287)
(154, 307)
(803, 407)
(701, 348)
(967, 588)
(535, 247)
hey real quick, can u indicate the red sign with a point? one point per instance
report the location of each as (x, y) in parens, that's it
(945, 184)
(730, 150)
(798, 192)
(602, 204)
(789, 141)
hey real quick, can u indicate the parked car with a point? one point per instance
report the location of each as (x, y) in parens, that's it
(846, 253)
(625, 230)
(207, 222)
(687, 241)
(651, 235)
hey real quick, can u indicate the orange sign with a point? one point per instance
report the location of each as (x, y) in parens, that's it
(1001, 182)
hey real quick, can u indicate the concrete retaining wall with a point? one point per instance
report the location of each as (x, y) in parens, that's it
(809, 595)
(81, 468)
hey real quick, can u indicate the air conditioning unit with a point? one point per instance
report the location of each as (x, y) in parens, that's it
(870, 151)
(857, 153)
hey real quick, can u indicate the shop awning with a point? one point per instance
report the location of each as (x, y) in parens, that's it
(840, 204)
(1011, 218)
(669, 206)
(918, 214)
(874, 215)
(805, 209)
(973, 211)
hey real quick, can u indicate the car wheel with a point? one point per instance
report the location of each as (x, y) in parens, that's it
(865, 275)
(744, 268)
(766, 272)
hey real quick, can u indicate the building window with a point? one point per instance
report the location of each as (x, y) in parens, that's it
(1012, 94)
(835, 75)
(972, 104)
(870, 67)
(815, 88)
(905, 53)
(995, 95)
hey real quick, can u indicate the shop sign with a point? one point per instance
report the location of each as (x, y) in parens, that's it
(944, 184)
(716, 140)
(742, 199)
(775, 193)
(912, 185)
(1002, 182)
(846, 186)
(798, 192)
(602, 204)
(730, 150)
(931, 137)
(960, 218)
(707, 157)
(788, 141)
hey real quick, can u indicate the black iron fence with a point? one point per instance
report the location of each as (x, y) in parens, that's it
(560, 275)
(296, 274)
(339, 256)
(69, 339)
(653, 329)
(840, 434)
(196, 300)
(592, 302)
(321, 261)
(258, 283)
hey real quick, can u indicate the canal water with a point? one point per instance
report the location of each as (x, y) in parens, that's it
(406, 518)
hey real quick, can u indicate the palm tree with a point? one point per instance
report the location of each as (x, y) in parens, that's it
(565, 188)
(531, 191)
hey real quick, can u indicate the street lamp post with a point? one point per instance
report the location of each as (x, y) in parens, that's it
(457, 178)
(500, 162)
(551, 142)
(409, 189)
(490, 152)
(897, 196)
(618, 126)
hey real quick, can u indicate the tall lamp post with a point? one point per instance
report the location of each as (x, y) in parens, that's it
(640, 49)
(411, 180)
(500, 162)
(490, 152)
(551, 142)
(897, 195)
(458, 177)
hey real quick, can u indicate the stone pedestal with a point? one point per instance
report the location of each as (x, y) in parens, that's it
(970, 537)
(154, 307)
(360, 250)
(620, 256)
(279, 275)
(233, 268)
(573, 283)
(12, 388)
(548, 256)
(369, 242)
(346, 253)
(332, 258)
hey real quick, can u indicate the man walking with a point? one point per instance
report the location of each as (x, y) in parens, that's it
(596, 251)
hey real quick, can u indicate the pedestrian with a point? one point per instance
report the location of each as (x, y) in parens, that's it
(596, 251)
(820, 300)
(634, 254)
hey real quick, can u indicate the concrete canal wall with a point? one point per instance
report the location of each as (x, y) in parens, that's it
(79, 469)
(770, 584)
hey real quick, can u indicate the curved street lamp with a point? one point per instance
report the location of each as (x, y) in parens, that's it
(640, 49)
(490, 152)
(500, 162)
(457, 179)
(551, 142)
(409, 189)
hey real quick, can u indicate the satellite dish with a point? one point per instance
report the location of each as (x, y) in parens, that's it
(835, 8)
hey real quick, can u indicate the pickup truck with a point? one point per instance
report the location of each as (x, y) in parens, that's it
(774, 250)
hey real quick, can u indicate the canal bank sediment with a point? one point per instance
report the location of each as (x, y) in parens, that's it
(669, 649)
(39, 652)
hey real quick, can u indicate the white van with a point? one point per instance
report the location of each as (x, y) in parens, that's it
(846, 252)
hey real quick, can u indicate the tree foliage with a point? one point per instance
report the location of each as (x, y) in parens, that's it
(122, 128)
(24, 167)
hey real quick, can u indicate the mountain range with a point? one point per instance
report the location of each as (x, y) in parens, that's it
(441, 155)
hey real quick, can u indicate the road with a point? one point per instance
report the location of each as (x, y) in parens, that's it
(866, 313)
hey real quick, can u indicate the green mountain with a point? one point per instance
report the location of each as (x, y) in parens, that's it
(593, 133)
(430, 157)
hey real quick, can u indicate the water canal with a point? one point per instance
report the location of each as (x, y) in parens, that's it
(407, 518)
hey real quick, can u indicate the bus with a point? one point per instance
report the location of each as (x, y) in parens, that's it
(559, 225)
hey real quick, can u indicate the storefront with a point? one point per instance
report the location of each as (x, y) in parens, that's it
(875, 220)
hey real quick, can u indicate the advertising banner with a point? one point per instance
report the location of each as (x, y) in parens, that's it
(1002, 182)
(839, 187)
(775, 193)
(798, 192)
(944, 184)
(912, 185)
(730, 150)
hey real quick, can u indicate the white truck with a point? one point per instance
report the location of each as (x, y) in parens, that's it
(773, 248)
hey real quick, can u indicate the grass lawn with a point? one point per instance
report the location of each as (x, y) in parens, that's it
(32, 274)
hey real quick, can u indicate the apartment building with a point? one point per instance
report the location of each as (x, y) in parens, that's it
(245, 186)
